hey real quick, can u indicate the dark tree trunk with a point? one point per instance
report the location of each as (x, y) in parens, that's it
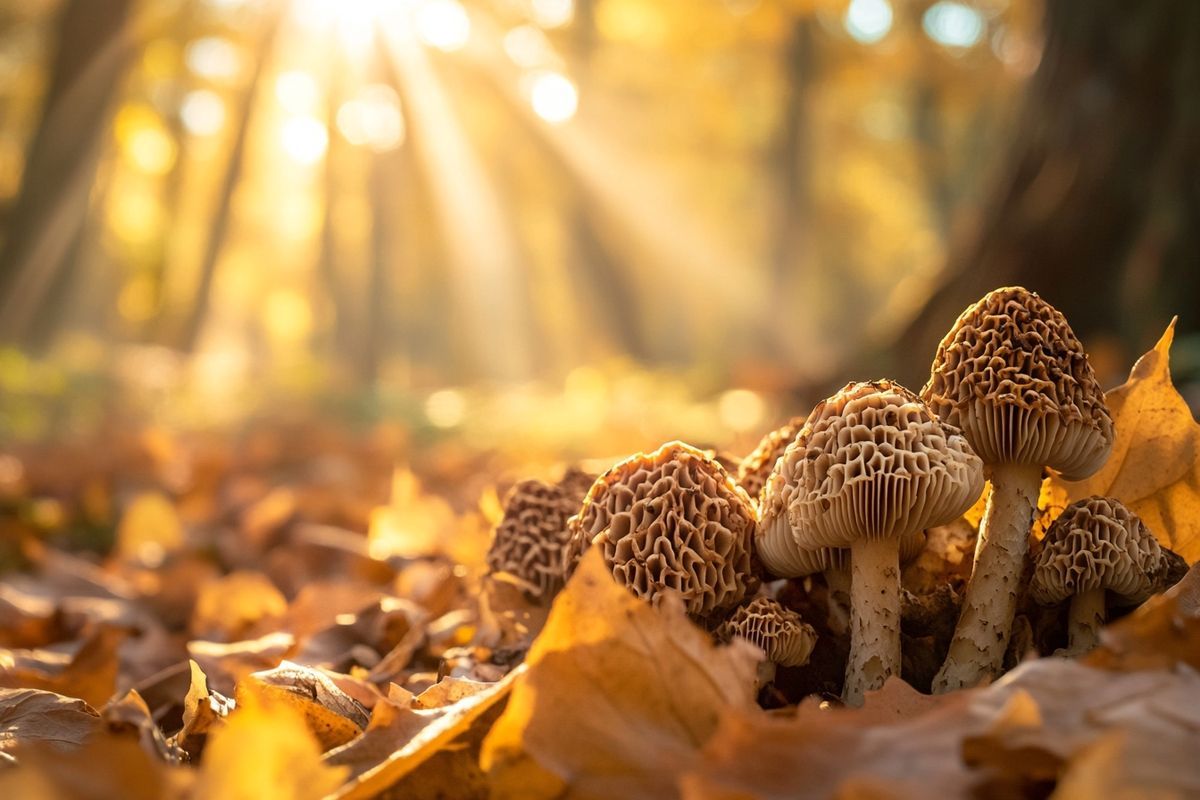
(1097, 209)
(44, 226)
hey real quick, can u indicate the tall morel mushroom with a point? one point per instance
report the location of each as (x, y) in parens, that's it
(528, 543)
(1096, 546)
(785, 638)
(671, 520)
(871, 466)
(1013, 376)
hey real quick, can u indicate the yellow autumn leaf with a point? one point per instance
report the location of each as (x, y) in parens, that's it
(618, 700)
(330, 714)
(264, 752)
(149, 529)
(1155, 463)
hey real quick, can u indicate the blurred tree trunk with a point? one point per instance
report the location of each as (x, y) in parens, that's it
(1097, 207)
(193, 322)
(41, 240)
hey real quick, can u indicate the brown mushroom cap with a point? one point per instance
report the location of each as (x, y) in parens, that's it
(1098, 543)
(670, 520)
(779, 632)
(870, 461)
(754, 469)
(1014, 377)
(528, 543)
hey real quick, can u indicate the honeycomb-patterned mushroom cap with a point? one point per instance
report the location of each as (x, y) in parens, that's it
(529, 541)
(670, 520)
(1098, 543)
(1013, 376)
(754, 469)
(779, 632)
(870, 461)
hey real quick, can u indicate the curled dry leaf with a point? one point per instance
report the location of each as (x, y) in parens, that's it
(405, 731)
(203, 710)
(332, 715)
(1155, 463)
(618, 699)
(1162, 634)
(34, 715)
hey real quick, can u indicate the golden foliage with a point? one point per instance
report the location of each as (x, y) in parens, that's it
(618, 698)
(1155, 463)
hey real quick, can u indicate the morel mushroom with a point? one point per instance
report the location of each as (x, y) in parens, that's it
(755, 468)
(528, 543)
(1013, 376)
(1096, 545)
(672, 520)
(871, 466)
(785, 638)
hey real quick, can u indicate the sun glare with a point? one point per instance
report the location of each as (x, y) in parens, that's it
(443, 24)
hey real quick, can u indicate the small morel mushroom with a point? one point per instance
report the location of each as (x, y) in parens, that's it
(670, 520)
(528, 543)
(871, 466)
(785, 638)
(1013, 376)
(754, 469)
(1096, 545)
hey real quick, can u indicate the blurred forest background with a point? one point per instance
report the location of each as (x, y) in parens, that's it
(558, 220)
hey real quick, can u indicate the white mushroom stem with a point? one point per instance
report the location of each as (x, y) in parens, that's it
(837, 579)
(1086, 619)
(981, 637)
(874, 616)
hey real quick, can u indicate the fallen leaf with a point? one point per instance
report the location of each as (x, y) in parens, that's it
(265, 750)
(331, 715)
(129, 714)
(236, 606)
(1162, 633)
(1154, 467)
(91, 675)
(618, 699)
(404, 732)
(203, 709)
(150, 530)
(225, 663)
(29, 715)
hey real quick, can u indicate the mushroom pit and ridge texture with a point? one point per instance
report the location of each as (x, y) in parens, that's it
(1098, 543)
(1012, 374)
(755, 468)
(670, 520)
(780, 633)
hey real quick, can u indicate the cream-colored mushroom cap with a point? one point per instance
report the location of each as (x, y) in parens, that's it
(1098, 543)
(1013, 376)
(779, 632)
(871, 461)
(755, 468)
(670, 520)
(529, 541)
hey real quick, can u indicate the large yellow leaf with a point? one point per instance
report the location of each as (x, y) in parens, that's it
(264, 752)
(1155, 463)
(619, 697)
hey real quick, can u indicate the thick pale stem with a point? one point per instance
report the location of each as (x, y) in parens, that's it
(1086, 620)
(874, 616)
(837, 579)
(981, 637)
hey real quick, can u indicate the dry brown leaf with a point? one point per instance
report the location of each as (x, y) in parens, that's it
(1155, 463)
(203, 709)
(1161, 634)
(29, 715)
(619, 697)
(404, 732)
(129, 715)
(91, 675)
(331, 715)
(265, 750)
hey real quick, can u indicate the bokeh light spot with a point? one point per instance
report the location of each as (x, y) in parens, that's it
(953, 24)
(741, 409)
(202, 112)
(553, 97)
(212, 57)
(297, 92)
(304, 139)
(552, 13)
(443, 24)
(868, 21)
(446, 408)
(372, 118)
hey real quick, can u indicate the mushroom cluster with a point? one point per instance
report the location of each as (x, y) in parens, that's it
(673, 520)
(849, 491)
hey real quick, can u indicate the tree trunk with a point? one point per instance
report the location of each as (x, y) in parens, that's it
(42, 235)
(1096, 208)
